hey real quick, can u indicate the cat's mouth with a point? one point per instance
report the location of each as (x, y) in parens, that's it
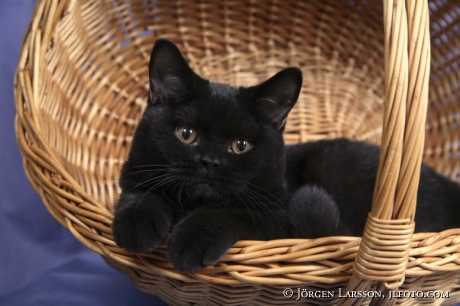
(203, 186)
(202, 182)
(209, 185)
(204, 189)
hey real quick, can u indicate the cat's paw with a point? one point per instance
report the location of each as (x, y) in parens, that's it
(140, 224)
(194, 245)
(314, 214)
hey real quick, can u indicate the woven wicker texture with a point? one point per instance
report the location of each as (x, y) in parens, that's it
(81, 87)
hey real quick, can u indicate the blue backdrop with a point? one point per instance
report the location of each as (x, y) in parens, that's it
(41, 263)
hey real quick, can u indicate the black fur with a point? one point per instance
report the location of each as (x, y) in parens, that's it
(208, 196)
(347, 170)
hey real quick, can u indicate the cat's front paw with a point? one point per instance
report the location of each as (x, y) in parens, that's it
(141, 222)
(194, 245)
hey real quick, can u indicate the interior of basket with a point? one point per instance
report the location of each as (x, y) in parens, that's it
(95, 78)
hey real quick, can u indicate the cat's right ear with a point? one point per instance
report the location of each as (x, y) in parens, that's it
(170, 76)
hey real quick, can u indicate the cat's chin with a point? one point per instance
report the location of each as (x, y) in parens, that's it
(204, 190)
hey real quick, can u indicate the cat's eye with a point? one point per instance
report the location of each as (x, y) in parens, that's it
(186, 133)
(241, 145)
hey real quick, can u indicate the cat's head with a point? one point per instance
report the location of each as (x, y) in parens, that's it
(199, 139)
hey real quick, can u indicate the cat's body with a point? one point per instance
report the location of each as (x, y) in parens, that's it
(346, 170)
(208, 164)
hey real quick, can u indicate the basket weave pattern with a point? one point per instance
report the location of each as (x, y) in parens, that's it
(81, 87)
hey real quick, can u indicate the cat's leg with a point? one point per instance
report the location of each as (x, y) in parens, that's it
(141, 221)
(314, 213)
(204, 236)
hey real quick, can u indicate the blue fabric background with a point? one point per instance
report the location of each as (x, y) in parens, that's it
(41, 263)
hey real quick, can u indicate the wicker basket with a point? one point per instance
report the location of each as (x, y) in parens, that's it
(81, 87)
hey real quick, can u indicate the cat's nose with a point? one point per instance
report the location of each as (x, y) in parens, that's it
(210, 161)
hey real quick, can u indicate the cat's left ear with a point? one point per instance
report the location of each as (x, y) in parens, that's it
(275, 97)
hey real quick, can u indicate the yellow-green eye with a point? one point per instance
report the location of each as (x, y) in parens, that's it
(241, 145)
(186, 133)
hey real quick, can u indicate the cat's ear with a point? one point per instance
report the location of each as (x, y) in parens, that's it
(275, 97)
(170, 75)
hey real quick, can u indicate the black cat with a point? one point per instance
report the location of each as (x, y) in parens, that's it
(208, 164)
(341, 173)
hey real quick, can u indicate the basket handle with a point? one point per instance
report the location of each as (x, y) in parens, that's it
(384, 249)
